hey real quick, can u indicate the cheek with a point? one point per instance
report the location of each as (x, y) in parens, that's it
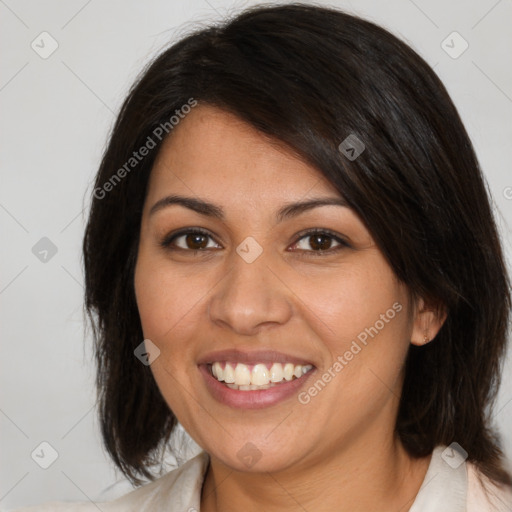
(361, 315)
(166, 308)
(154, 301)
(346, 301)
(166, 299)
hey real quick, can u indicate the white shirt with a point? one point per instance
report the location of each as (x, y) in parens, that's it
(444, 489)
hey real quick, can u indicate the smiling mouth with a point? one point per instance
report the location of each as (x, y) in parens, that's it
(246, 377)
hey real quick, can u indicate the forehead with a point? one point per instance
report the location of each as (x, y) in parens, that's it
(212, 151)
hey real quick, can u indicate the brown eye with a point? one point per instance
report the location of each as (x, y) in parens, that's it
(191, 240)
(196, 241)
(318, 242)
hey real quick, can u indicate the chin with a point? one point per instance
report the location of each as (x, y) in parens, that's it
(251, 457)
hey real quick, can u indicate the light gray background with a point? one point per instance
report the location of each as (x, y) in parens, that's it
(55, 117)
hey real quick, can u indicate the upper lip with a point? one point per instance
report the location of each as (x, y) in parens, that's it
(251, 357)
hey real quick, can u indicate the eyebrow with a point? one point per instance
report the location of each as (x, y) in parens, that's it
(211, 210)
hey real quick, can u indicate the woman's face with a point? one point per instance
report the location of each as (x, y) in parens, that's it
(258, 284)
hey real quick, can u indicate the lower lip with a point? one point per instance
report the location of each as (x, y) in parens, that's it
(252, 399)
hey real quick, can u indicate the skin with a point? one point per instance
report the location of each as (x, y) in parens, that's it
(339, 451)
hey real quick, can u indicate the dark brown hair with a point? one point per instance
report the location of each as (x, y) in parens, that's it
(309, 77)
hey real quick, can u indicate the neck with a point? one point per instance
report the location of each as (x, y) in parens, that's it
(361, 478)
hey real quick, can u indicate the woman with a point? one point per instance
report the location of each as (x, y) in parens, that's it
(291, 252)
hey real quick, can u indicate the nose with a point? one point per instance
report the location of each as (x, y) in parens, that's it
(251, 297)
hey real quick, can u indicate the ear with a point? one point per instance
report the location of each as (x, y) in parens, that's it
(427, 323)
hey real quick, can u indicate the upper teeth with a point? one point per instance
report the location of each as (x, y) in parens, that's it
(241, 374)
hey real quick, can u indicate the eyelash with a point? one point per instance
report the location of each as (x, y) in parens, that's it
(166, 243)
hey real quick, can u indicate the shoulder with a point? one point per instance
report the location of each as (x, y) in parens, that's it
(485, 495)
(178, 490)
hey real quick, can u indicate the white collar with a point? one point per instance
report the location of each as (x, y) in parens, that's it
(444, 488)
